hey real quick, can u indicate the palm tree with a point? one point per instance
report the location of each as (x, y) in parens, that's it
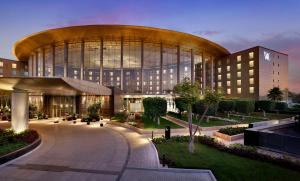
(275, 94)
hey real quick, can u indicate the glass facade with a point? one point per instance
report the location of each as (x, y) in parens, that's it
(133, 65)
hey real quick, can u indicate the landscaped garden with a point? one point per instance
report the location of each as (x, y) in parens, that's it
(225, 164)
(10, 141)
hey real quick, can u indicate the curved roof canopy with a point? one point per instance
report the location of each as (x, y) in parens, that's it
(53, 86)
(24, 47)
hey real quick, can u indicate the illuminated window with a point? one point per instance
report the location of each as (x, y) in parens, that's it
(238, 82)
(164, 82)
(14, 66)
(157, 77)
(75, 76)
(111, 73)
(157, 87)
(251, 81)
(228, 83)
(118, 78)
(251, 90)
(150, 88)
(251, 72)
(219, 77)
(238, 66)
(251, 63)
(219, 84)
(239, 90)
(164, 71)
(228, 61)
(239, 74)
(228, 91)
(75, 72)
(1, 64)
(171, 70)
(150, 77)
(219, 70)
(185, 69)
(157, 71)
(91, 73)
(228, 68)
(251, 55)
(228, 75)
(90, 78)
(239, 58)
(171, 76)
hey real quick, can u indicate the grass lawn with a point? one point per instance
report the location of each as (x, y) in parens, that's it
(212, 121)
(225, 166)
(149, 124)
(10, 147)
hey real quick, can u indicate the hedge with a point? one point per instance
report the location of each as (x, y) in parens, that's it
(281, 106)
(265, 105)
(245, 106)
(199, 108)
(226, 105)
(154, 106)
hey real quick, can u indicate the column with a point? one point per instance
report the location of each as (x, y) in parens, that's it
(203, 74)
(43, 69)
(101, 62)
(36, 64)
(161, 68)
(142, 67)
(212, 73)
(192, 67)
(66, 59)
(178, 64)
(53, 60)
(19, 110)
(122, 47)
(82, 61)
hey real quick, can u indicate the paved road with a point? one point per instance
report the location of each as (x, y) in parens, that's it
(89, 152)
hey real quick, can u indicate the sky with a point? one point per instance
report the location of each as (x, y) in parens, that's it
(234, 24)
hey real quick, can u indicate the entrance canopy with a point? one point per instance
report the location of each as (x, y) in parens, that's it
(53, 86)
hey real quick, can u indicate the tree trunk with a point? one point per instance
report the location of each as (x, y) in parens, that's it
(158, 120)
(191, 141)
(264, 113)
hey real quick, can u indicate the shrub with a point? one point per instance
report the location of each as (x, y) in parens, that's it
(265, 105)
(199, 108)
(281, 106)
(154, 107)
(180, 104)
(27, 136)
(232, 131)
(245, 106)
(93, 111)
(226, 105)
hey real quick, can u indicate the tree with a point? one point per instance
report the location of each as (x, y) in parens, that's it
(180, 104)
(154, 108)
(275, 94)
(93, 111)
(188, 92)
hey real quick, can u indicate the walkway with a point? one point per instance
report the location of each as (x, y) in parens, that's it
(90, 152)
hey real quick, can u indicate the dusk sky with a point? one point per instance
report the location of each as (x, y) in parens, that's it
(236, 25)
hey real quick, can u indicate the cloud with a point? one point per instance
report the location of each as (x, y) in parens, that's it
(286, 42)
(207, 32)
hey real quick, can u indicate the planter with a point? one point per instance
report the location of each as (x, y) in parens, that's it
(20, 152)
(228, 137)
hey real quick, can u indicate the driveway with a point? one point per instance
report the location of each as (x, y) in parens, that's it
(90, 152)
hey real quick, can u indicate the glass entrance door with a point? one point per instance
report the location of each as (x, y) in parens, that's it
(62, 105)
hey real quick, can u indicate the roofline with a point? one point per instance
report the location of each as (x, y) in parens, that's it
(145, 28)
(258, 46)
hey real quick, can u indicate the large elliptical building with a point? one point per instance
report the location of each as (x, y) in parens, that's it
(69, 68)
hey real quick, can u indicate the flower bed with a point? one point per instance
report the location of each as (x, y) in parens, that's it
(232, 130)
(13, 145)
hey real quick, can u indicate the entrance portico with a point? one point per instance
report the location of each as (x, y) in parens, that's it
(58, 96)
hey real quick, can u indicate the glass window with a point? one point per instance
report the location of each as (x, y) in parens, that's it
(251, 81)
(151, 65)
(238, 66)
(112, 62)
(48, 61)
(228, 68)
(239, 74)
(251, 90)
(1, 64)
(40, 63)
(74, 59)
(239, 90)
(219, 84)
(238, 82)
(170, 63)
(228, 75)
(219, 77)
(228, 91)
(251, 55)
(239, 58)
(14, 66)
(251, 63)
(219, 70)
(228, 83)
(92, 61)
(59, 60)
(251, 72)
(185, 63)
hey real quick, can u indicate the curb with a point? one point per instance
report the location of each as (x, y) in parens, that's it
(20, 152)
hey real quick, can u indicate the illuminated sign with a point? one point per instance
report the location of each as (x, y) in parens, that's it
(267, 56)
